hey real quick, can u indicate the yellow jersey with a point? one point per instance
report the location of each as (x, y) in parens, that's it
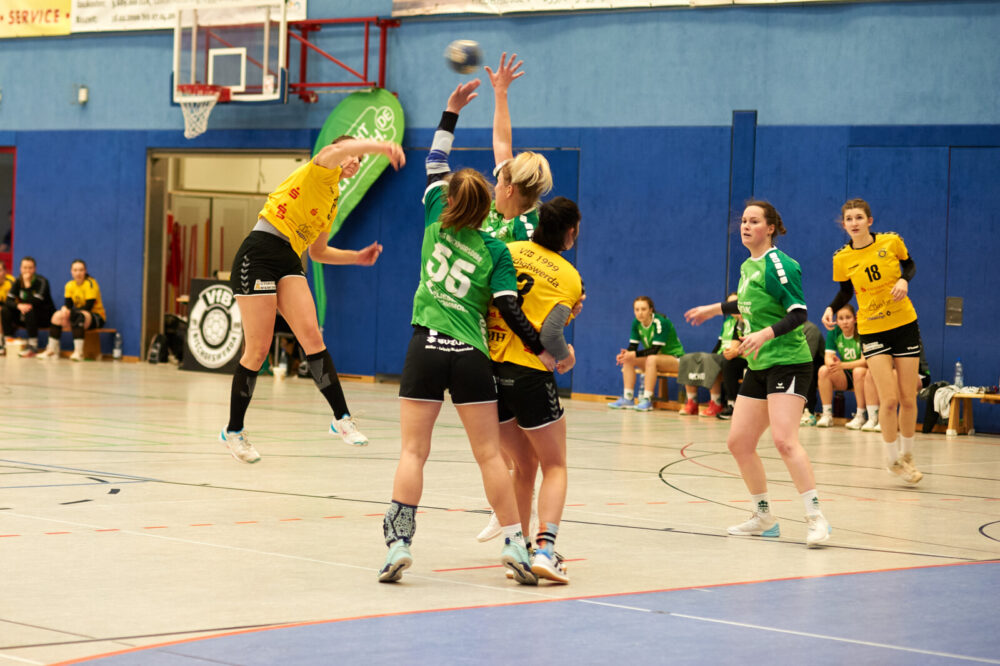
(544, 280)
(81, 293)
(874, 271)
(6, 283)
(304, 205)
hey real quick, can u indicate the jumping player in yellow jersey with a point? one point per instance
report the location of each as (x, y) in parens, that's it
(779, 372)
(267, 277)
(878, 268)
(532, 423)
(82, 310)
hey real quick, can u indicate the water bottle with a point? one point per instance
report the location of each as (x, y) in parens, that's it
(959, 379)
(116, 353)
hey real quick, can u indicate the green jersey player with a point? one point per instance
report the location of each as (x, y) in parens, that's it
(844, 368)
(780, 369)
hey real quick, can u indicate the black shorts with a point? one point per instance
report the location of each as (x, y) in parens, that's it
(96, 321)
(900, 341)
(261, 262)
(528, 395)
(435, 362)
(790, 379)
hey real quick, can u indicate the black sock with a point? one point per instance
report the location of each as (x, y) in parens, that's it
(239, 399)
(55, 332)
(77, 332)
(325, 375)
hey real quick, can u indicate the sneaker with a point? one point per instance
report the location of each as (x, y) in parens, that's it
(3, 350)
(871, 425)
(28, 352)
(713, 409)
(726, 413)
(622, 403)
(348, 431)
(396, 561)
(491, 531)
(807, 416)
(812, 420)
(644, 405)
(690, 408)
(825, 421)
(76, 356)
(904, 469)
(515, 557)
(818, 530)
(857, 422)
(239, 445)
(758, 525)
(549, 567)
(49, 352)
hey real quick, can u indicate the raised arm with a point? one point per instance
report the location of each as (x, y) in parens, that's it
(437, 159)
(331, 156)
(503, 145)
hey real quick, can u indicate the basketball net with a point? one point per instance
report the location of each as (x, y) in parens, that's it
(197, 103)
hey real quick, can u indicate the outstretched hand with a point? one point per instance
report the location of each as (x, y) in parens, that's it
(395, 154)
(462, 95)
(702, 313)
(506, 72)
(369, 255)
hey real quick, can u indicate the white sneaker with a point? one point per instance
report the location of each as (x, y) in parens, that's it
(491, 531)
(904, 469)
(549, 567)
(818, 530)
(76, 356)
(348, 431)
(825, 421)
(48, 353)
(758, 525)
(239, 445)
(871, 425)
(806, 417)
(857, 422)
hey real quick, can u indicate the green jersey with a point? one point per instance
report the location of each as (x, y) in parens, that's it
(846, 349)
(520, 228)
(659, 332)
(730, 332)
(770, 287)
(460, 273)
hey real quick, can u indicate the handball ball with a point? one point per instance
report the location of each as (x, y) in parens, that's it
(464, 56)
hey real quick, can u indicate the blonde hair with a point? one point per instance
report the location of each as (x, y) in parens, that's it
(531, 173)
(468, 201)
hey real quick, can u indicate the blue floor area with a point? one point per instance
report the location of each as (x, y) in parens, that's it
(936, 615)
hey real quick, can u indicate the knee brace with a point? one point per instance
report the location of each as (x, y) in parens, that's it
(77, 319)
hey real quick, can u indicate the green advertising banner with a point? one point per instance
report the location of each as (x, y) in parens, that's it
(364, 115)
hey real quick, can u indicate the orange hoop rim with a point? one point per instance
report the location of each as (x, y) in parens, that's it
(221, 93)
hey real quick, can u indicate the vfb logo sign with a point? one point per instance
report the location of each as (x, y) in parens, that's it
(215, 332)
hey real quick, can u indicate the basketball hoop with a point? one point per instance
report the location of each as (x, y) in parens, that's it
(197, 101)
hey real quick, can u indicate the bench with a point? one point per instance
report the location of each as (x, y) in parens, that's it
(662, 391)
(960, 420)
(97, 342)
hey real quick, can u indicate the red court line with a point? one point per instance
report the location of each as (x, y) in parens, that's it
(9, 535)
(288, 520)
(246, 522)
(156, 527)
(310, 623)
(57, 532)
(333, 516)
(110, 529)
(200, 525)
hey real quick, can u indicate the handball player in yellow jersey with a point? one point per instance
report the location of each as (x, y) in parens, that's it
(878, 268)
(267, 277)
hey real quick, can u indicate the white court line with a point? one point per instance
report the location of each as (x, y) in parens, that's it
(20, 660)
(523, 589)
(886, 646)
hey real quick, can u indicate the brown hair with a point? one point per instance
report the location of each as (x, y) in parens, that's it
(531, 174)
(468, 201)
(649, 301)
(855, 203)
(342, 137)
(847, 306)
(771, 216)
(80, 261)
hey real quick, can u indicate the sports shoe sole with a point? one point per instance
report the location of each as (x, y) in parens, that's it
(819, 542)
(548, 573)
(394, 571)
(521, 571)
(772, 532)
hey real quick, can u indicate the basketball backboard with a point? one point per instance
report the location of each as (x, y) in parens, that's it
(240, 47)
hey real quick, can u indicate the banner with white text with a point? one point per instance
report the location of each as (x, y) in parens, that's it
(499, 7)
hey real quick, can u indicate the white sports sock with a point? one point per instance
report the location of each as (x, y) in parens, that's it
(873, 411)
(628, 394)
(905, 445)
(828, 409)
(761, 505)
(33, 343)
(78, 345)
(811, 502)
(647, 395)
(716, 398)
(891, 452)
(513, 532)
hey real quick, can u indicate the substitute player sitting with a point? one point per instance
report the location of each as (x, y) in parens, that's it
(82, 310)
(661, 351)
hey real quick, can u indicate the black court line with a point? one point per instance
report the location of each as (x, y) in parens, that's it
(114, 639)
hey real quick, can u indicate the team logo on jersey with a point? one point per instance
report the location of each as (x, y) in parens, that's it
(215, 332)
(882, 253)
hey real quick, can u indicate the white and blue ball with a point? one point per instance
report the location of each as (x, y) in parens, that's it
(464, 56)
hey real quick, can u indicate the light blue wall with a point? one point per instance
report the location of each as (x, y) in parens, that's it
(850, 64)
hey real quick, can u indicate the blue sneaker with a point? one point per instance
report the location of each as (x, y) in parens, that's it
(515, 557)
(396, 561)
(645, 405)
(622, 403)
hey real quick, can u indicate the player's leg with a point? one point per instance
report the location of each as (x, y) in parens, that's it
(629, 369)
(749, 421)
(907, 383)
(296, 304)
(57, 322)
(873, 404)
